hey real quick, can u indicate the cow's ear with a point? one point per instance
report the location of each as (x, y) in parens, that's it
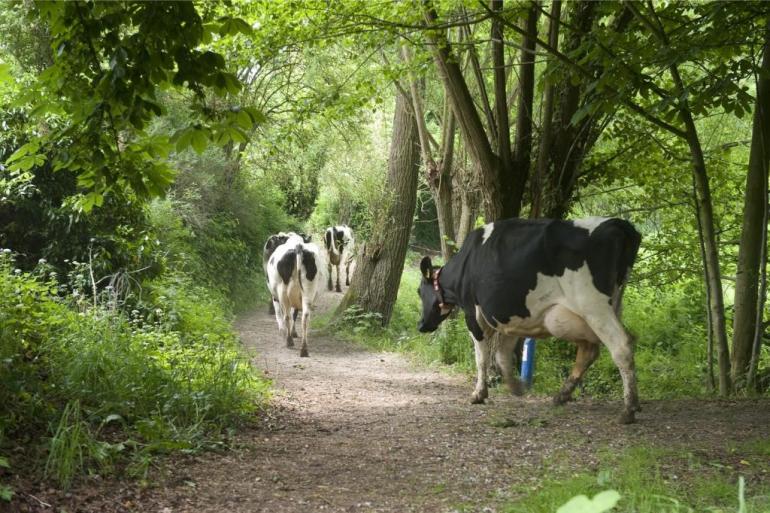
(426, 267)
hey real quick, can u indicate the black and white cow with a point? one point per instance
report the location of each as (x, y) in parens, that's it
(271, 245)
(540, 278)
(340, 248)
(295, 273)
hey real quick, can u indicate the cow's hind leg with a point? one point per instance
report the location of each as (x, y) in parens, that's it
(278, 314)
(482, 364)
(587, 353)
(294, 314)
(504, 358)
(288, 323)
(347, 274)
(303, 352)
(329, 276)
(339, 288)
(613, 335)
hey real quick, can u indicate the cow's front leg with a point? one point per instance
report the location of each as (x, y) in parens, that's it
(587, 353)
(347, 275)
(482, 364)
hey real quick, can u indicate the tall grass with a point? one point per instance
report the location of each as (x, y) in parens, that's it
(89, 384)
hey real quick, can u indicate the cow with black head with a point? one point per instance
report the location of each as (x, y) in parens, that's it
(340, 249)
(539, 278)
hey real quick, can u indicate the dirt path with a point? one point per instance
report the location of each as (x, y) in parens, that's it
(352, 430)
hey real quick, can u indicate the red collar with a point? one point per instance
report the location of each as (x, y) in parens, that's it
(437, 288)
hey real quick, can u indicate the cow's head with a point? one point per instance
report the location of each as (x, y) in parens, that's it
(334, 240)
(433, 309)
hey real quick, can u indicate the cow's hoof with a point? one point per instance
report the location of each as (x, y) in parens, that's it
(627, 417)
(338, 289)
(478, 397)
(516, 388)
(289, 342)
(561, 399)
(303, 353)
(294, 333)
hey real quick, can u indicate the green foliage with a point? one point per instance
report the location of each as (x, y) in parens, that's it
(647, 481)
(123, 53)
(170, 379)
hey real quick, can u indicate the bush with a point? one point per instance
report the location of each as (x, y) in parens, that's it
(98, 382)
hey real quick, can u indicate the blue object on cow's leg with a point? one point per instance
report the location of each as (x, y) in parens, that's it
(528, 362)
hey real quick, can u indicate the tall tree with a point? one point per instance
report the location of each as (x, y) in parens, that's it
(380, 262)
(746, 320)
(438, 170)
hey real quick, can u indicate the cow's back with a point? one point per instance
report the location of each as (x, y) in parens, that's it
(499, 266)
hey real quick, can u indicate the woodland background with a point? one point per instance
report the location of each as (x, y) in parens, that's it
(149, 149)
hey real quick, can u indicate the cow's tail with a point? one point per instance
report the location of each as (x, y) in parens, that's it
(298, 265)
(629, 248)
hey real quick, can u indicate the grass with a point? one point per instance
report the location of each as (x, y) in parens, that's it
(654, 480)
(91, 386)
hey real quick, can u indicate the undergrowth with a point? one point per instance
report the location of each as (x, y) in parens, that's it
(85, 385)
(657, 481)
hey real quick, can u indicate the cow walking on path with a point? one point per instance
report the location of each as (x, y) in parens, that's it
(295, 273)
(540, 278)
(271, 245)
(340, 247)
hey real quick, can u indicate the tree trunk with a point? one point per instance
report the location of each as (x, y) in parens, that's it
(703, 206)
(546, 130)
(518, 170)
(442, 186)
(380, 262)
(754, 227)
(438, 172)
(570, 141)
(705, 209)
(471, 128)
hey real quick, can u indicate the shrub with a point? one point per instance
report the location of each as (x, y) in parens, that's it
(96, 381)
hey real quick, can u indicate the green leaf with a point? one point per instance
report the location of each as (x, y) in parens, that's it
(4, 462)
(183, 139)
(199, 141)
(257, 116)
(603, 501)
(5, 73)
(232, 26)
(6, 493)
(244, 120)
(26, 149)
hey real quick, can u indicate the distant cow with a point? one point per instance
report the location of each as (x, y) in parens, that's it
(294, 273)
(272, 244)
(540, 278)
(340, 247)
